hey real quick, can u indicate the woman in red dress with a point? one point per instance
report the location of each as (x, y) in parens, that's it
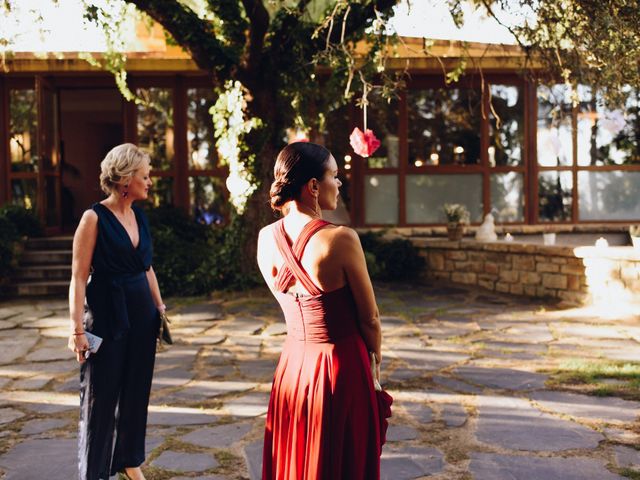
(323, 420)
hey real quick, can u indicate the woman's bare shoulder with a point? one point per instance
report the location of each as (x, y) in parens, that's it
(88, 226)
(341, 233)
(265, 236)
(89, 218)
(266, 230)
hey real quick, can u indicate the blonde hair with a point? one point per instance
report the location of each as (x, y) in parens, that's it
(119, 165)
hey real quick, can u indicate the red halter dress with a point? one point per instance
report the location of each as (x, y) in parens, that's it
(323, 420)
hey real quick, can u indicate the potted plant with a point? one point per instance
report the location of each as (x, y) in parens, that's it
(634, 232)
(457, 216)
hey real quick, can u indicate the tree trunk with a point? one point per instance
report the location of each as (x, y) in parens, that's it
(266, 143)
(258, 212)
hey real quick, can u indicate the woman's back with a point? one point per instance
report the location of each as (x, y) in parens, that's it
(321, 258)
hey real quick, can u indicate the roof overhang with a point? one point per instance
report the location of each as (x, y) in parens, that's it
(416, 54)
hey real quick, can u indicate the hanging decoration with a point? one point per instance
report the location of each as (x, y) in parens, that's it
(231, 125)
(364, 143)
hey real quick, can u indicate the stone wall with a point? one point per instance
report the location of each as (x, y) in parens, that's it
(573, 274)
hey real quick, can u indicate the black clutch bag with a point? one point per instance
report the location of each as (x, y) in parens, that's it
(164, 335)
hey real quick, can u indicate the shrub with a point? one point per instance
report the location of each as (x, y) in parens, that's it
(394, 259)
(8, 247)
(191, 258)
(25, 220)
(179, 248)
(372, 264)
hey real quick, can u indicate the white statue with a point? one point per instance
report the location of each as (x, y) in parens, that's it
(487, 231)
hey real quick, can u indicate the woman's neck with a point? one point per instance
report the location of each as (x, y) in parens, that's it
(119, 204)
(298, 209)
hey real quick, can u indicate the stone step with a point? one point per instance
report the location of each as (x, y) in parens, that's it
(42, 272)
(58, 288)
(46, 257)
(63, 242)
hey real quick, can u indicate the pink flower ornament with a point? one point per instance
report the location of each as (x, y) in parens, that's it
(364, 143)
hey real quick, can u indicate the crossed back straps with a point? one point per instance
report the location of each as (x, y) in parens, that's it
(292, 267)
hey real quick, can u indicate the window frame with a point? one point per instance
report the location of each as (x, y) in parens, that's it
(423, 82)
(574, 168)
(180, 171)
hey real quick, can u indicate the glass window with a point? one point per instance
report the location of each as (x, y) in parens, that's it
(506, 126)
(444, 126)
(155, 126)
(381, 199)
(161, 193)
(555, 140)
(426, 195)
(605, 136)
(507, 197)
(200, 132)
(554, 196)
(382, 119)
(24, 193)
(609, 195)
(334, 126)
(23, 130)
(207, 200)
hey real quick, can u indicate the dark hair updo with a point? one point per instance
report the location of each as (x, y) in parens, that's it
(297, 163)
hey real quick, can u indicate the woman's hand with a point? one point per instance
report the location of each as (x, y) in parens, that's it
(84, 242)
(79, 345)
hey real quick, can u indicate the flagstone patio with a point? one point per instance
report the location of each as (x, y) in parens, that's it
(474, 377)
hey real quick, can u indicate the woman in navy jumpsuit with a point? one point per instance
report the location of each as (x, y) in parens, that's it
(114, 294)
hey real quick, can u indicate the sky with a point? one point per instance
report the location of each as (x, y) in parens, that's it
(63, 28)
(431, 19)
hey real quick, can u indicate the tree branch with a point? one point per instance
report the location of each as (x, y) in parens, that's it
(338, 27)
(233, 23)
(358, 18)
(192, 33)
(258, 26)
(487, 5)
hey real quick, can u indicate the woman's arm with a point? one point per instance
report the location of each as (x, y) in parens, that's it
(155, 290)
(347, 245)
(84, 242)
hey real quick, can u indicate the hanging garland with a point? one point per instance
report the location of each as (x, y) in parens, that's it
(231, 125)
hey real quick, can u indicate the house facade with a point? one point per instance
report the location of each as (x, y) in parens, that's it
(495, 140)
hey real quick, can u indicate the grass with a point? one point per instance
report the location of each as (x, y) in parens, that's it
(589, 376)
(630, 473)
(155, 473)
(177, 302)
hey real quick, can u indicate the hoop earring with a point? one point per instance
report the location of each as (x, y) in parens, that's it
(125, 192)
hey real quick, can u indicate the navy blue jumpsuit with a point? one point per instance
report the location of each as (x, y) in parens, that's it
(116, 381)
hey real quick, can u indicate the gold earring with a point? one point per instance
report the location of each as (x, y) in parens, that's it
(316, 207)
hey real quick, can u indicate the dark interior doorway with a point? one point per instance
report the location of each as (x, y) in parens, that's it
(91, 123)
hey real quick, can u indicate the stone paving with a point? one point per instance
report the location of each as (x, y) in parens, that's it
(471, 374)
